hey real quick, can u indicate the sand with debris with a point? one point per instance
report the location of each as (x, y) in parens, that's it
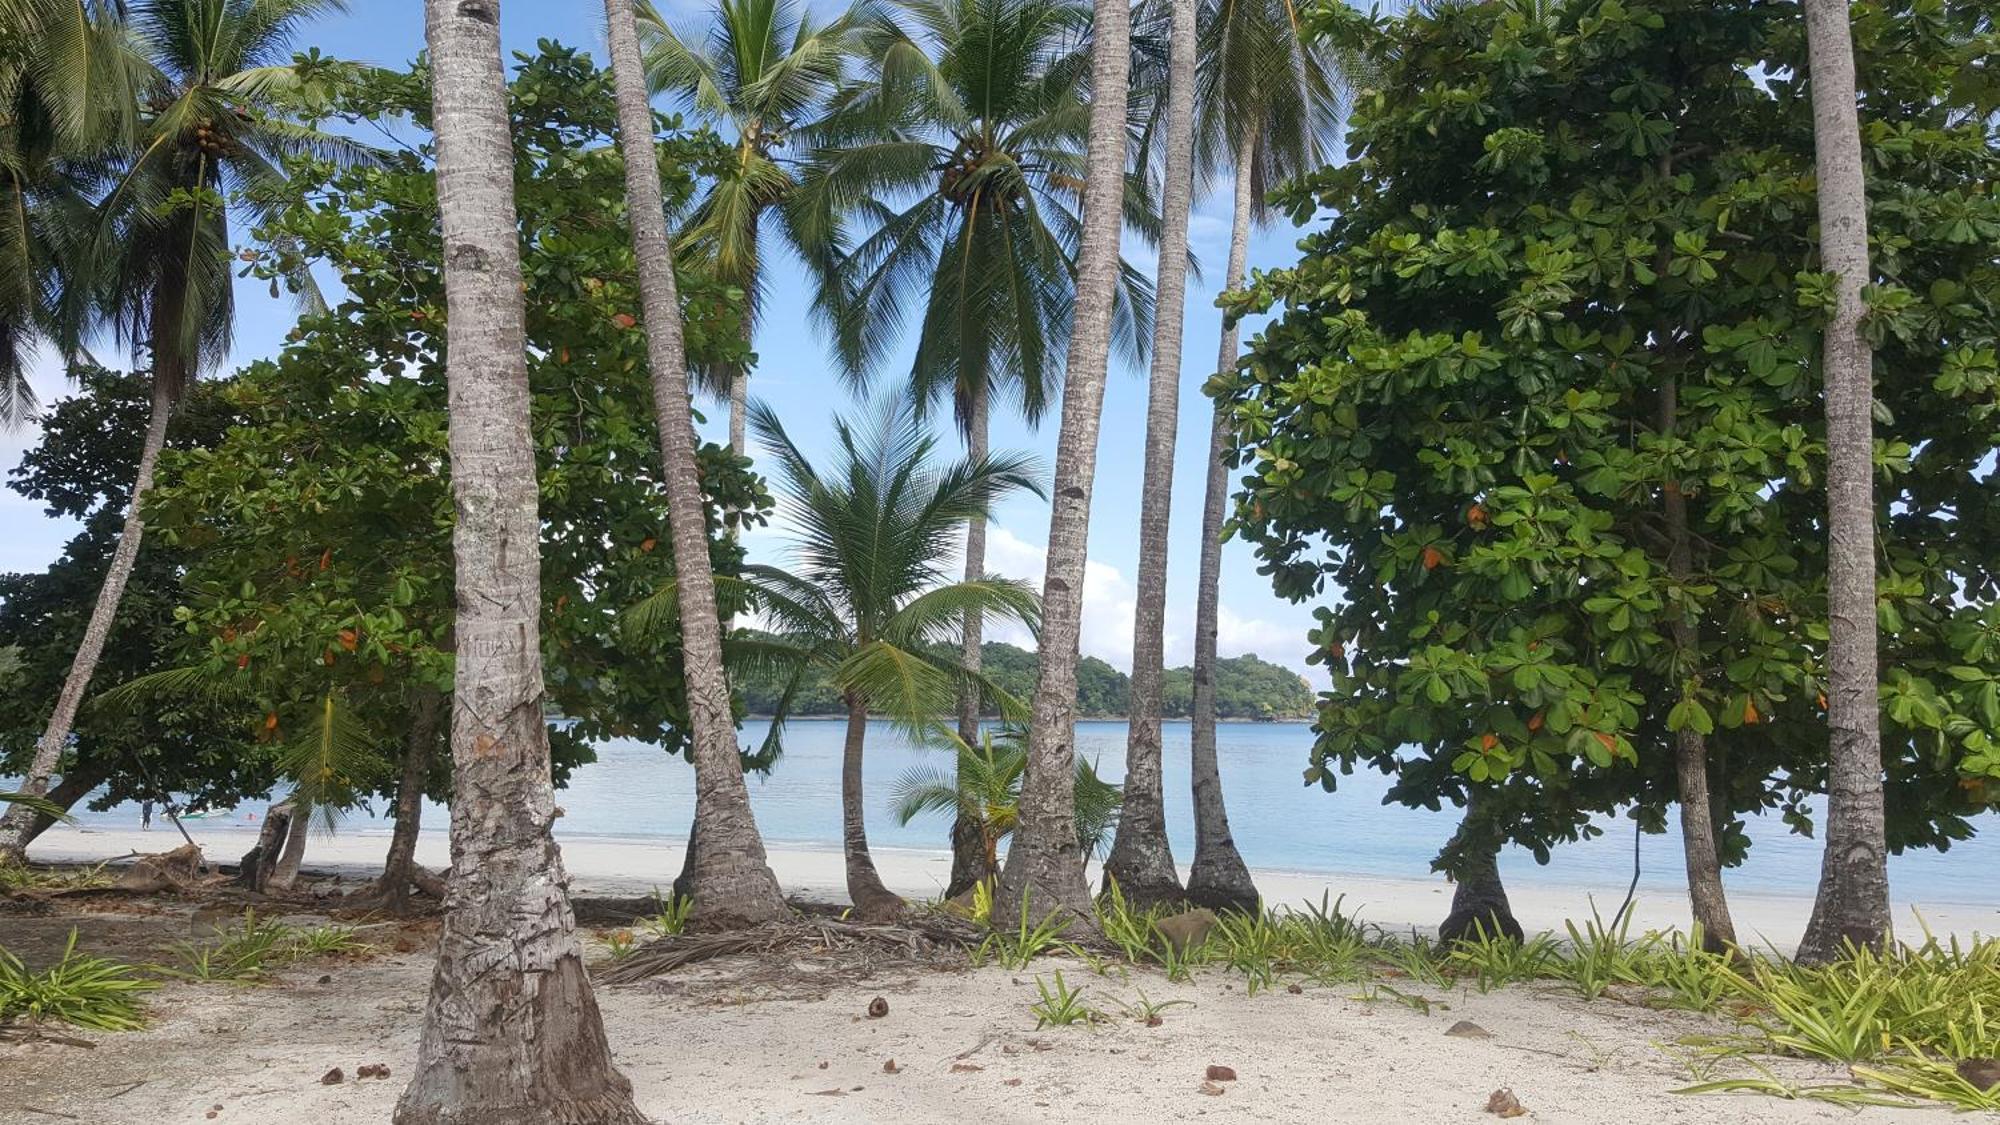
(729, 1041)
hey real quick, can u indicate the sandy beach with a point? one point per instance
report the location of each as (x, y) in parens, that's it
(629, 866)
(746, 1042)
(748, 1039)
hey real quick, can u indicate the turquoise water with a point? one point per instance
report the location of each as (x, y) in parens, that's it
(634, 790)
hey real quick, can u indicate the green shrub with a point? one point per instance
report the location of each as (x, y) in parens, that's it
(255, 946)
(671, 918)
(1061, 1006)
(1014, 948)
(81, 990)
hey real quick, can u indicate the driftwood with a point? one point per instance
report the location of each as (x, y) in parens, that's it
(177, 870)
(927, 940)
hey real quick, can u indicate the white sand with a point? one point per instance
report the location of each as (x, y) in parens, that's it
(624, 866)
(701, 1048)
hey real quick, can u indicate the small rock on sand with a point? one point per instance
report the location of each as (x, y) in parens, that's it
(1187, 931)
(1220, 1073)
(1982, 1073)
(1503, 1103)
(1211, 1089)
(877, 1008)
(332, 1077)
(1466, 1029)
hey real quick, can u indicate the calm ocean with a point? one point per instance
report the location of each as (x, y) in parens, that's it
(634, 790)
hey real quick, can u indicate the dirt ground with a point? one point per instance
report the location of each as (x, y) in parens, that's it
(735, 1042)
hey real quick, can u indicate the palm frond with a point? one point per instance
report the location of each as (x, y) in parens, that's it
(334, 760)
(194, 682)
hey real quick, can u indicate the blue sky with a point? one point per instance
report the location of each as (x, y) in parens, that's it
(794, 373)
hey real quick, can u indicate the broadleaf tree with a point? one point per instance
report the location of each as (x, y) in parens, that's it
(1568, 285)
(315, 535)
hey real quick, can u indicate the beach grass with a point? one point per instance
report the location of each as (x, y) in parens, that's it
(1915, 1023)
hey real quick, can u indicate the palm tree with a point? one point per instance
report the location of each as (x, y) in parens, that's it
(1266, 106)
(511, 1031)
(983, 789)
(1044, 864)
(66, 105)
(1141, 861)
(768, 69)
(962, 162)
(869, 600)
(1853, 901)
(212, 131)
(732, 880)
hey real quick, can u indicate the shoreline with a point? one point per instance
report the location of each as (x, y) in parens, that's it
(836, 717)
(610, 865)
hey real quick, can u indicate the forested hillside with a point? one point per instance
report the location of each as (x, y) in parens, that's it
(1246, 688)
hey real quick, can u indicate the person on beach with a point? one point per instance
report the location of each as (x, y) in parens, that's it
(146, 815)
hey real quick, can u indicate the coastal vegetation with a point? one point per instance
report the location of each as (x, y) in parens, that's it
(1247, 688)
(1625, 414)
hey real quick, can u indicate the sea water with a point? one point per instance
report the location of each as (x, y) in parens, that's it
(1280, 824)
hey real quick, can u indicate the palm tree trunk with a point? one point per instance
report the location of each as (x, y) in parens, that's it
(399, 867)
(690, 859)
(1044, 863)
(739, 409)
(739, 379)
(1479, 904)
(76, 784)
(1218, 878)
(872, 901)
(1853, 900)
(732, 882)
(968, 853)
(48, 750)
(1142, 860)
(511, 1033)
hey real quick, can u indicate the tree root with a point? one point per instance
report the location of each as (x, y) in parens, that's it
(917, 939)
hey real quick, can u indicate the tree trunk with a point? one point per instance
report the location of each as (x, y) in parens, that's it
(1698, 815)
(968, 853)
(76, 784)
(691, 858)
(1044, 863)
(1218, 878)
(873, 902)
(739, 374)
(14, 827)
(258, 865)
(399, 868)
(739, 409)
(1853, 900)
(1141, 862)
(511, 1033)
(1479, 904)
(285, 875)
(733, 884)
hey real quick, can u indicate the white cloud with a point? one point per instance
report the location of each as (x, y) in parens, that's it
(1208, 231)
(1109, 599)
